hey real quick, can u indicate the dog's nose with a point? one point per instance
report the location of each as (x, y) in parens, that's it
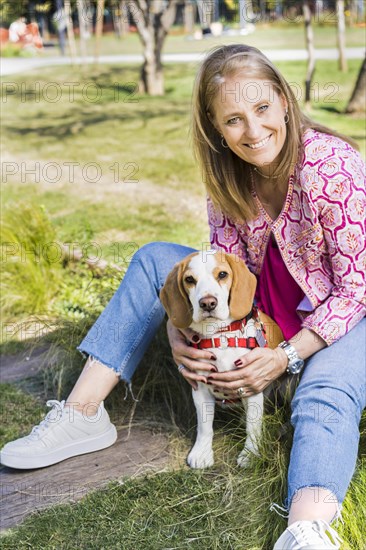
(208, 303)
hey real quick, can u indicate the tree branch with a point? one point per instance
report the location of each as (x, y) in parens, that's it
(138, 14)
(168, 16)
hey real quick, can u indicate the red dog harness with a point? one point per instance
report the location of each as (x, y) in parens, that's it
(224, 342)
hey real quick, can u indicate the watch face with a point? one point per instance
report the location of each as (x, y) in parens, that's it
(295, 368)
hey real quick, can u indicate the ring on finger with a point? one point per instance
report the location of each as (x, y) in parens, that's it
(180, 368)
(240, 392)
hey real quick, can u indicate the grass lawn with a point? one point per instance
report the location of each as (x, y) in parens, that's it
(106, 170)
(266, 36)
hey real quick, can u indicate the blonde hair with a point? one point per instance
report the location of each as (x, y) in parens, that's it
(226, 176)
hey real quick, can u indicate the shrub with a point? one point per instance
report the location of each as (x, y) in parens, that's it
(30, 262)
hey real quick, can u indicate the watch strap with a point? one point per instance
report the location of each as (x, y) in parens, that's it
(295, 363)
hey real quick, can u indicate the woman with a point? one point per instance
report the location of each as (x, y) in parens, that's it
(287, 196)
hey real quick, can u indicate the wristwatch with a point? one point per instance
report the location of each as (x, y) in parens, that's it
(295, 363)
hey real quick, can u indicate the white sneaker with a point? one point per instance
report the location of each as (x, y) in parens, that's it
(64, 433)
(309, 535)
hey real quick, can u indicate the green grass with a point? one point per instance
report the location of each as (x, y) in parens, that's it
(181, 510)
(222, 507)
(19, 411)
(279, 35)
(148, 139)
(29, 276)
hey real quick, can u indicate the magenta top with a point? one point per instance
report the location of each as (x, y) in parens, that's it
(278, 294)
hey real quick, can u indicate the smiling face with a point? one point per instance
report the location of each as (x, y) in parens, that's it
(249, 113)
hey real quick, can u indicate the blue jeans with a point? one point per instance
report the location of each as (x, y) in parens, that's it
(124, 330)
(329, 399)
(326, 413)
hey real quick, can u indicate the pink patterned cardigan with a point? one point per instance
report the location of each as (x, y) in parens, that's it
(320, 233)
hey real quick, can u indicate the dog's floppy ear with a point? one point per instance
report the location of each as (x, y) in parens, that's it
(175, 300)
(242, 288)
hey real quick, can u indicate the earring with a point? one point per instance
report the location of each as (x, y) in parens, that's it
(287, 118)
(223, 142)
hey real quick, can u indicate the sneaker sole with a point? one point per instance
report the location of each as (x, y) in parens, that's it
(77, 448)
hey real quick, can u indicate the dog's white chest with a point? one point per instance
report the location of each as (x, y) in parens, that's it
(227, 355)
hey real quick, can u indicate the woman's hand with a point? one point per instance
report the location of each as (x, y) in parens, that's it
(193, 359)
(254, 371)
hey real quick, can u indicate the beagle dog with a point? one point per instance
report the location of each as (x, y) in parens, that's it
(212, 293)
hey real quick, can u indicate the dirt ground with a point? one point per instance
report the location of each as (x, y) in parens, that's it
(138, 450)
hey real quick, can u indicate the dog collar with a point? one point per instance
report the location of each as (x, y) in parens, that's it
(241, 323)
(224, 342)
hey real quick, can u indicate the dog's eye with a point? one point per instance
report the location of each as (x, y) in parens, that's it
(190, 280)
(222, 275)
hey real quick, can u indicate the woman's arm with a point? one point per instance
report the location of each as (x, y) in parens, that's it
(261, 366)
(338, 189)
(307, 342)
(223, 233)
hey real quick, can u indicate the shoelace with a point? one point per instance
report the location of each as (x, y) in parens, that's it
(280, 510)
(57, 406)
(319, 528)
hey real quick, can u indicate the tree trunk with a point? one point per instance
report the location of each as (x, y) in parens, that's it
(352, 12)
(311, 53)
(125, 27)
(117, 20)
(357, 103)
(319, 11)
(120, 18)
(70, 31)
(341, 39)
(82, 6)
(262, 9)
(46, 32)
(153, 21)
(99, 28)
(152, 78)
(189, 12)
(126, 22)
(61, 26)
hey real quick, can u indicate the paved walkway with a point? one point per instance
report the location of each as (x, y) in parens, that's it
(15, 65)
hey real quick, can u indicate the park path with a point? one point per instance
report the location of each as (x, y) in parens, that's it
(14, 65)
(138, 450)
